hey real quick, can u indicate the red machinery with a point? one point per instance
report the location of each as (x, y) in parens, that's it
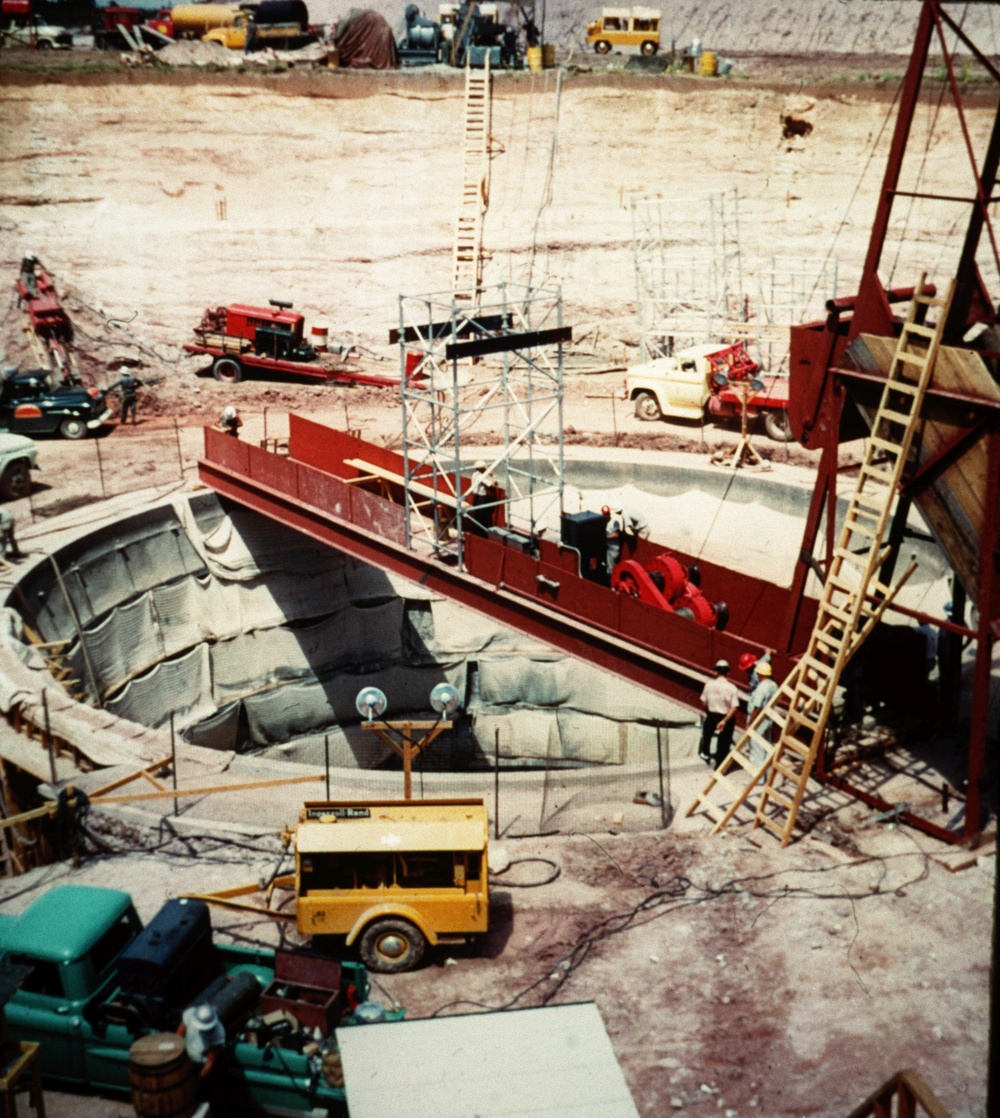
(51, 330)
(241, 337)
(666, 583)
(736, 383)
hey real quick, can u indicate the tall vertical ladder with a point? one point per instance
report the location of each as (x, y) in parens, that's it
(467, 267)
(853, 600)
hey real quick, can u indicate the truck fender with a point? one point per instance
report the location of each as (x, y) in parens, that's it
(402, 911)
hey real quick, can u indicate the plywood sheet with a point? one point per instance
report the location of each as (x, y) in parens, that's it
(954, 506)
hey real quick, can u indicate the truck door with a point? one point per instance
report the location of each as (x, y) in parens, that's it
(40, 1011)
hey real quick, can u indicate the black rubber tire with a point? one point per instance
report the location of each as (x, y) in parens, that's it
(16, 480)
(778, 426)
(228, 370)
(72, 427)
(602, 46)
(646, 407)
(43, 44)
(649, 48)
(390, 946)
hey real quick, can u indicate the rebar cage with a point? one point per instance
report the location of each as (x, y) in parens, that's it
(490, 377)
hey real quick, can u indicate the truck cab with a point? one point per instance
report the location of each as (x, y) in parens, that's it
(626, 27)
(394, 876)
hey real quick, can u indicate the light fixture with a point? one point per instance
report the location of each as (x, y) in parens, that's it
(371, 703)
(444, 698)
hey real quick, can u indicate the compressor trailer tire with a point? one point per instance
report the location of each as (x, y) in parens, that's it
(228, 370)
(390, 946)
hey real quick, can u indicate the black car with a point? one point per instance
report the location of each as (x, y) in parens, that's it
(33, 403)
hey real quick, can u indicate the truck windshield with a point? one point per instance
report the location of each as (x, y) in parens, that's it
(113, 943)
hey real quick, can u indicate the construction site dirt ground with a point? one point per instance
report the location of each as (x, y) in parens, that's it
(801, 987)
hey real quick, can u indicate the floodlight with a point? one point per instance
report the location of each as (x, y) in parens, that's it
(444, 698)
(371, 703)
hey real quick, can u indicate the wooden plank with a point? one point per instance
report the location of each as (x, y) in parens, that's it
(208, 790)
(436, 495)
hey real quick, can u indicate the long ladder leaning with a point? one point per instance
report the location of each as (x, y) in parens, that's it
(467, 265)
(853, 598)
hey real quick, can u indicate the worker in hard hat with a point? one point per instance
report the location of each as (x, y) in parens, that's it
(128, 385)
(230, 422)
(482, 490)
(760, 696)
(624, 527)
(721, 701)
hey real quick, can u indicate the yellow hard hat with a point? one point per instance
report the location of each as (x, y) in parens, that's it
(764, 669)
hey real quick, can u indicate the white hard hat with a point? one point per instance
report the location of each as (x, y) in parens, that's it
(229, 412)
(479, 464)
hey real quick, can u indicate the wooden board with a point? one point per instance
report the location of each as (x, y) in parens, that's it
(954, 506)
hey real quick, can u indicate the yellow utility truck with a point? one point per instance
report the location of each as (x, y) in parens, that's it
(192, 21)
(281, 24)
(394, 876)
(626, 27)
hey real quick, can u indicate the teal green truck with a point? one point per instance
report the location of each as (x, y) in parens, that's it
(91, 979)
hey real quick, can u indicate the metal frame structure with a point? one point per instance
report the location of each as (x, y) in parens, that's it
(830, 394)
(687, 268)
(790, 290)
(474, 370)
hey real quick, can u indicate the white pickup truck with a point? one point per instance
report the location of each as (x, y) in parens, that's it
(18, 457)
(705, 380)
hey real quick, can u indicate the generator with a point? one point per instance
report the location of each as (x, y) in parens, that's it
(168, 963)
(274, 331)
(587, 533)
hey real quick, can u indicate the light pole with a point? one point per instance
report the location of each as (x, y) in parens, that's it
(398, 736)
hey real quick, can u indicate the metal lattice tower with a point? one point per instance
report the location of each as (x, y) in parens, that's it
(687, 266)
(508, 398)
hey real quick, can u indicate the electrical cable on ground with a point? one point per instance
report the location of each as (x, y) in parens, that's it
(556, 871)
(673, 896)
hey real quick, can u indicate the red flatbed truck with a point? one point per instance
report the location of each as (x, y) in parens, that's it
(242, 337)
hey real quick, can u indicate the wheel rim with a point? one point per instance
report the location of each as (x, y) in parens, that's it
(227, 370)
(392, 946)
(72, 428)
(18, 481)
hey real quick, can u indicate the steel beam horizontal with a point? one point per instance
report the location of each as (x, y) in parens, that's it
(674, 679)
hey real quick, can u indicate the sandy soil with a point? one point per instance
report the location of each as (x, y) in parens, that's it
(778, 1005)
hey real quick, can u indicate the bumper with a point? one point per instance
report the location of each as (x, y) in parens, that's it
(93, 424)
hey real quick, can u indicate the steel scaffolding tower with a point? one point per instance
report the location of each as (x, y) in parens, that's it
(484, 376)
(687, 267)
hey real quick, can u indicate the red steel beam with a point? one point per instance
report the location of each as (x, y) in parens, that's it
(677, 678)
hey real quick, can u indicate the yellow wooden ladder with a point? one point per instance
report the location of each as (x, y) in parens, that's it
(467, 266)
(853, 601)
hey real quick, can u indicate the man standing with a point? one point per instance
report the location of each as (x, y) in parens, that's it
(720, 699)
(760, 696)
(8, 544)
(129, 386)
(623, 527)
(481, 490)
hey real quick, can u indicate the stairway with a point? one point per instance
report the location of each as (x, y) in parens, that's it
(467, 269)
(853, 601)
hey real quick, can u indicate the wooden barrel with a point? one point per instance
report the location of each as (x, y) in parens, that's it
(162, 1078)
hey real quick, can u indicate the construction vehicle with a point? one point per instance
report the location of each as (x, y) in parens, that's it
(49, 328)
(241, 338)
(192, 21)
(392, 876)
(474, 31)
(281, 24)
(709, 380)
(626, 27)
(253, 1026)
